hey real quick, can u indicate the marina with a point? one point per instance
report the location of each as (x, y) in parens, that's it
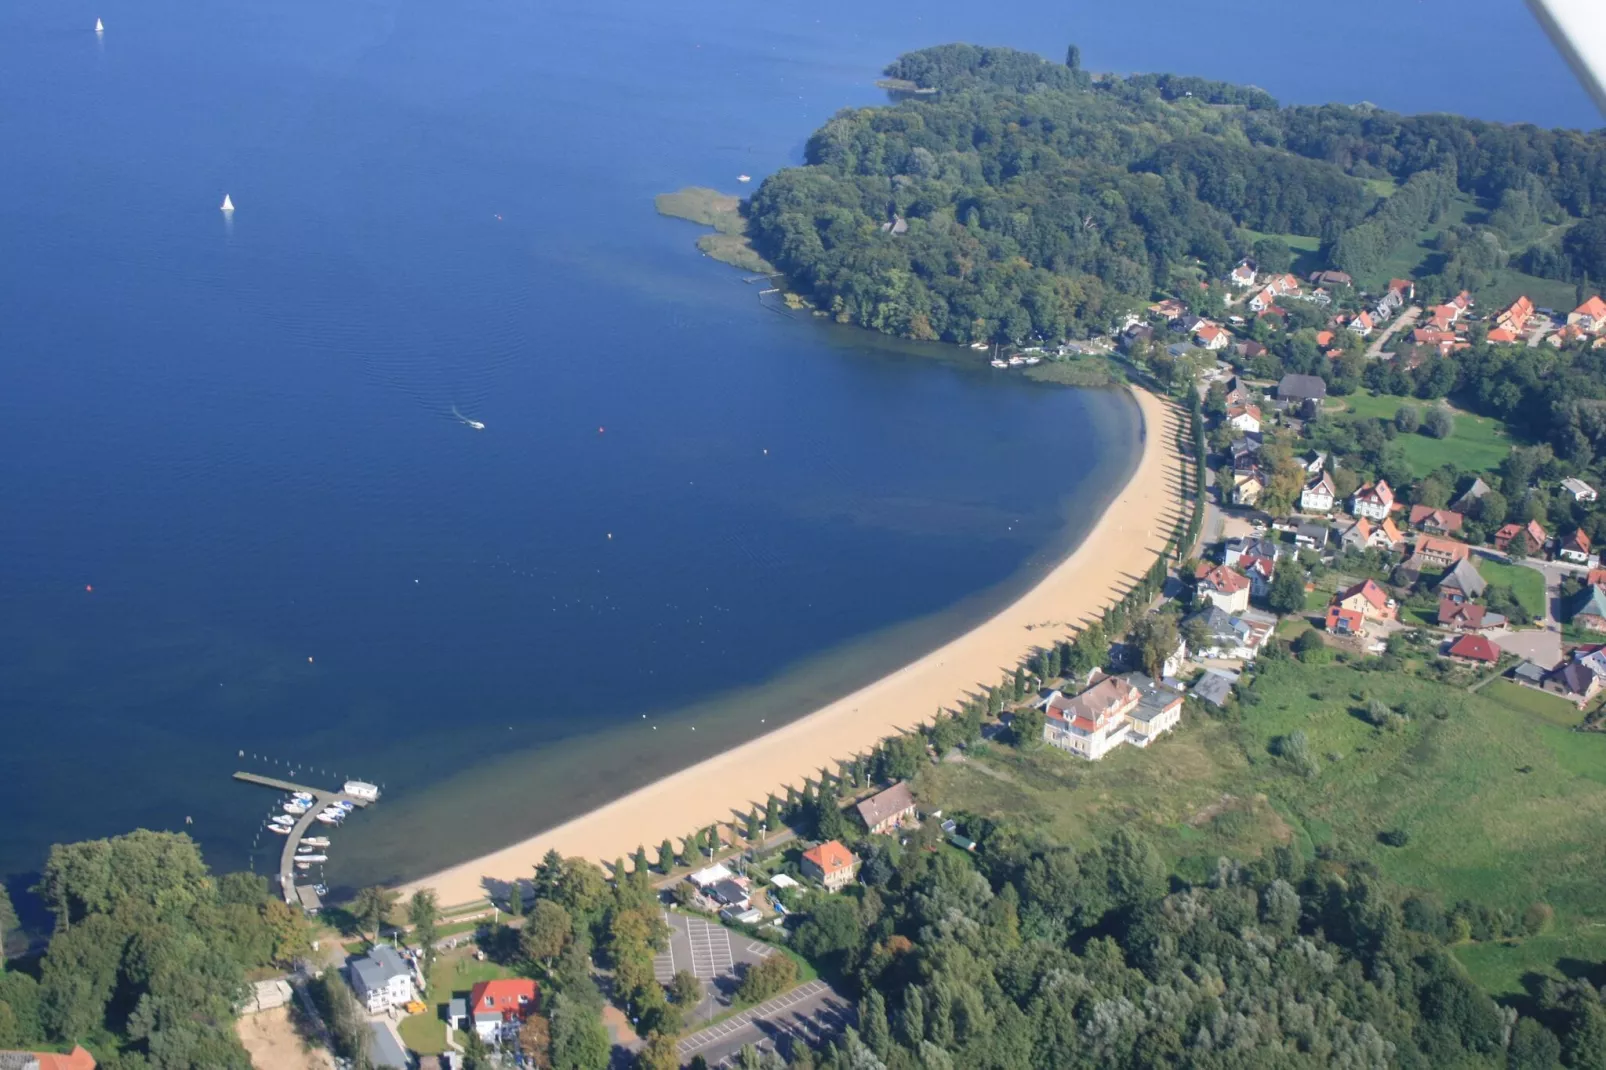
(308, 804)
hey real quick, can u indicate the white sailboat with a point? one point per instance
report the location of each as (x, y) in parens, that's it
(228, 205)
(100, 27)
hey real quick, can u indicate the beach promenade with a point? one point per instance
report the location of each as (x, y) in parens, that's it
(1116, 553)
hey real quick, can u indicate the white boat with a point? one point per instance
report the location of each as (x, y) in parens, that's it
(361, 789)
(343, 804)
(282, 819)
(305, 795)
(980, 347)
(1000, 364)
(478, 426)
(283, 830)
(1015, 362)
(228, 205)
(100, 27)
(315, 841)
(296, 808)
(1031, 361)
(311, 858)
(331, 819)
(744, 178)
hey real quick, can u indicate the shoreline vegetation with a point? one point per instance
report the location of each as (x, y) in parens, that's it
(1135, 530)
(729, 244)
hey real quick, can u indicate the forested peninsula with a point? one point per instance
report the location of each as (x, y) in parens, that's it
(1014, 197)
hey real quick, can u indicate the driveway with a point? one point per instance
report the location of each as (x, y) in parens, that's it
(810, 1013)
(713, 953)
(1540, 646)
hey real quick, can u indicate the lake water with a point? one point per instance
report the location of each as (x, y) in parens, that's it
(243, 528)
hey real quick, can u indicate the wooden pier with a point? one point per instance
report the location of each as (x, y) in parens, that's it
(321, 798)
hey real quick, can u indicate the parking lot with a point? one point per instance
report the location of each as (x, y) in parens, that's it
(714, 955)
(809, 1013)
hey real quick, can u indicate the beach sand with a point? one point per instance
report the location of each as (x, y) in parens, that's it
(1116, 553)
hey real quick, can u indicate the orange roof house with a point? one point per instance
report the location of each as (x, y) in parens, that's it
(1441, 521)
(1589, 316)
(831, 864)
(1341, 621)
(1404, 287)
(1514, 317)
(77, 1059)
(1368, 599)
(1536, 536)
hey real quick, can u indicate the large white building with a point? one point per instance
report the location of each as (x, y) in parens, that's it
(1373, 501)
(382, 979)
(1115, 710)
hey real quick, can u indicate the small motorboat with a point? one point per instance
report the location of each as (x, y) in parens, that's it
(315, 841)
(305, 795)
(1000, 364)
(475, 424)
(331, 819)
(344, 804)
(744, 178)
(283, 830)
(311, 858)
(1017, 361)
(296, 808)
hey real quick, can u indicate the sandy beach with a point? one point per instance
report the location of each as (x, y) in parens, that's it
(1119, 549)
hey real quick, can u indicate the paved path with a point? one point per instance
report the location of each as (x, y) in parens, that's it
(793, 1012)
(1406, 319)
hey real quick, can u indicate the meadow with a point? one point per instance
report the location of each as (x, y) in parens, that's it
(1477, 443)
(1499, 802)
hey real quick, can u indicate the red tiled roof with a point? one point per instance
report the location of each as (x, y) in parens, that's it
(1474, 648)
(77, 1059)
(1577, 541)
(1367, 589)
(1221, 578)
(1324, 338)
(1446, 519)
(503, 997)
(1448, 548)
(1352, 617)
(830, 856)
(1501, 334)
(1594, 307)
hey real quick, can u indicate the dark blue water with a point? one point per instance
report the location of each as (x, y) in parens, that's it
(240, 432)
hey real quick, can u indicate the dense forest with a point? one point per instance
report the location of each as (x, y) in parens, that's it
(147, 960)
(1041, 201)
(1028, 955)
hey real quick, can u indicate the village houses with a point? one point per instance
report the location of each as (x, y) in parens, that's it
(1115, 710)
(889, 810)
(1225, 588)
(1318, 495)
(1372, 501)
(831, 864)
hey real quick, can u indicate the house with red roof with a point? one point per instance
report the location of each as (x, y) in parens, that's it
(1503, 336)
(1367, 599)
(1373, 501)
(1433, 552)
(1404, 287)
(77, 1059)
(1361, 323)
(1243, 275)
(1436, 521)
(1467, 616)
(1590, 316)
(1341, 621)
(1244, 418)
(1263, 301)
(498, 1008)
(1212, 337)
(1515, 316)
(1093, 723)
(1575, 548)
(1473, 649)
(1535, 534)
(831, 864)
(1227, 589)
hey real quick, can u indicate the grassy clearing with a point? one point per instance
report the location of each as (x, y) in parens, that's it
(424, 1033)
(1527, 584)
(1414, 259)
(1477, 443)
(1502, 803)
(1550, 708)
(1306, 249)
(1509, 284)
(1381, 187)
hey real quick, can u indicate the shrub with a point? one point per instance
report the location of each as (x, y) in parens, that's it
(768, 977)
(1394, 837)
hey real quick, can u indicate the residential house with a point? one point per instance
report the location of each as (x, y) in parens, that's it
(1237, 392)
(1361, 323)
(1318, 495)
(1589, 316)
(1228, 636)
(1503, 336)
(382, 979)
(1534, 534)
(1094, 722)
(1387, 305)
(1312, 536)
(1373, 501)
(1529, 673)
(1596, 577)
(1433, 336)
(499, 1007)
(1158, 710)
(1433, 552)
(1587, 609)
(1572, 681)
(1138, 332)
(1313, 461)
(1264, 301)
(1385, 536)
(888, 810)
(1470, 496)
(1242, 276)
(77, 1059)
(1515, 316)
(1249, 350)
(1357, 537)
(1462, 582)
(1474, 649)
(1260, 571)
(1301, 388)
(1214, 687)
(1341, 621)
(1245, 418)
(1567, 335)
(1581, 491)
(1212, 337)
(1467, 616)
(1245, 453)
(1404, 287)
(731, 892)
(1368, 599)
(1331, 278)
(1225, 588)
(1247, 488)
(1575, 548)
(1436, 521)
(831, 864)
(1249, 546)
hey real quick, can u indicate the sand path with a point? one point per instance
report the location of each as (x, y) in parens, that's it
(1116, 553)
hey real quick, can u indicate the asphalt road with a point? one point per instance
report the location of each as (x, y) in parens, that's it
(811, 1013)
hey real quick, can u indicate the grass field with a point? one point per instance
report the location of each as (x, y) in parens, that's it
(1477, 443)
(1306, 249)
(1527, 584)
(1552, 708)
(1503, 804)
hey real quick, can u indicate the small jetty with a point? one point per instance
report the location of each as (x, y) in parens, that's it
(355, 792)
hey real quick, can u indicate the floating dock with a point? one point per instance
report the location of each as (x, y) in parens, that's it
(322, 797)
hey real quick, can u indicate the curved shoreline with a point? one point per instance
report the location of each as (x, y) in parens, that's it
(1111, 557)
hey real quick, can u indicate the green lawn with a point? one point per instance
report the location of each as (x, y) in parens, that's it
(455, 973)
(424, 1033)
(1414, 259)
(1476, 444)
(1503, 804)
(1552, 708)
(1306, 249)
(1526, 583)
